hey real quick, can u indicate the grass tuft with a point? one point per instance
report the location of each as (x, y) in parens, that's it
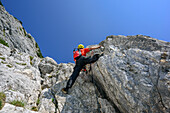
(50, 76)
(52, 99)
(3, 42)
(17, 103)
(38, 102)
(2, 58)
(10, 66)
(3, 32)
(25, 33)
(3, 62)
(34, 108)
(2, 100)
(23, 64)
(39, 54)
(29, 36)
(31, 58)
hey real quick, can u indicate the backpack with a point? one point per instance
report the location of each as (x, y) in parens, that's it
(76, 53)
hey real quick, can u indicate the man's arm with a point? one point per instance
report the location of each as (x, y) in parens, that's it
(92, 48)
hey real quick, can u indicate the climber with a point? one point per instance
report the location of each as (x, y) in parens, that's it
(80, 60)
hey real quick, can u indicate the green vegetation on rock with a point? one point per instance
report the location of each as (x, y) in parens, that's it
(31, 57)
(1, 3)
(17, 103)
(20, 29)
(3, 32)
(50, 76)
(29, 36)
(2, 58)
(34, 108)
(10, 66)
(3, 62)
(3, 42)
(18, 20)
(52, 99)
(2, 100)
(31, 60)
(0, 104)
(39, 54)
(23, 64)
(25, 33)
(38, 102)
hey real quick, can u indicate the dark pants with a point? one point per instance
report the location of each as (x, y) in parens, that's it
(80, 63)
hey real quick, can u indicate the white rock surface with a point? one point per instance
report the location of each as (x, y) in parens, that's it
(8, 108)
(12, 31)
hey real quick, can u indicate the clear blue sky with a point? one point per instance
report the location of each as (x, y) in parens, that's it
(58, 26)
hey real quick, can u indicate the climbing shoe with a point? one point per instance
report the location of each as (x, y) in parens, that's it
(64, 90)
(101, 54)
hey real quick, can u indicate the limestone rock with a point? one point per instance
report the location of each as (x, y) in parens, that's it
(131, 73)
(8, 108)
(46, 104)
(20, 81)
(47, 65)
(12, 31)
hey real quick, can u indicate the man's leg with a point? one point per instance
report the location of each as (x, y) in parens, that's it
(72, 78)
(92, 59)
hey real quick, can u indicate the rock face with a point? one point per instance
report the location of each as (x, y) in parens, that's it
(12, 31)
(132, 76)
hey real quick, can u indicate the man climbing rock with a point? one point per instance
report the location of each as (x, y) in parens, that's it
(80, 60)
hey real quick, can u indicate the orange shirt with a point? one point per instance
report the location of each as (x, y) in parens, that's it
(83, 52)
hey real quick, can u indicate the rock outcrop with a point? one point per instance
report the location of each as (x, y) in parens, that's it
(132, 76)
(15, 35)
